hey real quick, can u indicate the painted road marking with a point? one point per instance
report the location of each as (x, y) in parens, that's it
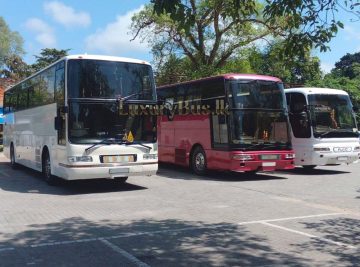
(309, 235)
(174, 231)
(292, 218)
(125, 254)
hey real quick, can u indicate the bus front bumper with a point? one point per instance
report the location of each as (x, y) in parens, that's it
(331, 158)
(245, 166)
(106, 171)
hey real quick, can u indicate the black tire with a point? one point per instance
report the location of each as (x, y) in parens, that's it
(13, 163)
(120, 180)
(46, 170)
(198, 161)
(309, 167)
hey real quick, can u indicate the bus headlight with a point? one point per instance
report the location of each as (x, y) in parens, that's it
(322, 149)
(290, 156)
(150, 156)
(74, 159)
(243, 157)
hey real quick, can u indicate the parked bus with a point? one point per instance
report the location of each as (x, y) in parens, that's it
(233, 122)
(66, 121)
(324, 130)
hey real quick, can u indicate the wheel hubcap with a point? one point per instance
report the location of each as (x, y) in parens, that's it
(200, 161)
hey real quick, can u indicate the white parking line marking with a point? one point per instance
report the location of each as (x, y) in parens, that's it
(292, 218)
(125, 254)
(173, 231)
(309, 235)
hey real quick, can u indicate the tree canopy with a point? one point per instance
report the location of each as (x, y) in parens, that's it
(303, 24)
(48, 56)
(11, 43)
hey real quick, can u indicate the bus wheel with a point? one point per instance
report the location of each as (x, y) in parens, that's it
(120, 180)
(309, 167)
(46, 169)
(198, 161)
(13, 163)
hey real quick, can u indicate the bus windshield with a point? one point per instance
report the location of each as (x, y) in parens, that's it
(257, 115)
(332, 115)
(89, 78)
(91, 123)
(256, 95)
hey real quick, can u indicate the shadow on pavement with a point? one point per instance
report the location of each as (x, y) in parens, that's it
(155, 242)
(177, 172)
(316, 171)
(344, 230)
(26, 180)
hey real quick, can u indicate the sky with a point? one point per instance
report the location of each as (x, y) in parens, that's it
(102, 27)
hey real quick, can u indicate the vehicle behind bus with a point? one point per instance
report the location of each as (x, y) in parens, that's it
(232, 122)
(324, 129)
(72, 119)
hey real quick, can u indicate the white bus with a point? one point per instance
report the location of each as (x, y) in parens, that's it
(72, 119)
(324, 130)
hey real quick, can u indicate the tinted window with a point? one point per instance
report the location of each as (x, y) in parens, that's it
(298, 115)
(110, 79)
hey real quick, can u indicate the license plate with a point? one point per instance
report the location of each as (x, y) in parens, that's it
(269, 156)
(342, 158)
(119, 171)
(118, 158)
(269, 164)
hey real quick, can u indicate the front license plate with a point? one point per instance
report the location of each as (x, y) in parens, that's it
(118, 158)
(269, 156)
(119, 171)
(342, 158)
(269, 164)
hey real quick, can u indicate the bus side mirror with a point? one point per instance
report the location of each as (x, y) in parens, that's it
(58, 123)
(355, 108)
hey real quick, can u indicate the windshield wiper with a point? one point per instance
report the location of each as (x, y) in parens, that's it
(252, 146)
(140, 144)
(107, 141)
(334, 131)
(125, 98)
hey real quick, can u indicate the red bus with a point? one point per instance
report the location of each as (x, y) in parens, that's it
(231, 122)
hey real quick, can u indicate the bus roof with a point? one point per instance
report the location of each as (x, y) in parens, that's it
(229, 76)
(86, 56)
(107, 58)
(317, 90)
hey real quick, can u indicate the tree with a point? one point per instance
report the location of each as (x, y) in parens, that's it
(48, 56)
(11, 43)
(348, 66)
(15, 68)
(306, 24)
(292, 69)
(210, 42)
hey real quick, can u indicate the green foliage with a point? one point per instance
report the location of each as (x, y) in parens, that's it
(48, 56)
(15, 68)
(11, 43)
(291, 69)
(348, 66)
(302, 24)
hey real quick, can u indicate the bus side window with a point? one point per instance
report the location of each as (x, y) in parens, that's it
(298, 116)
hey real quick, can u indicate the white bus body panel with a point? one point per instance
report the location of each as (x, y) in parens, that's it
(96, 169)
(33, 129)
(341, 149)
(30, 131)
